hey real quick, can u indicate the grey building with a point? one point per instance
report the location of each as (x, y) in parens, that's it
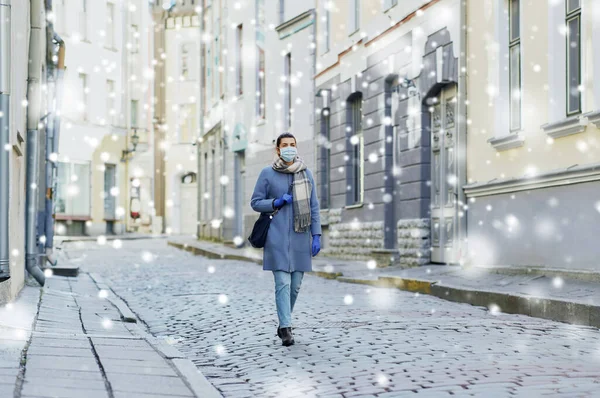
(391, 139)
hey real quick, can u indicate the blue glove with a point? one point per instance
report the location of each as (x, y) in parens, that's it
(316, 245)
(280, 202)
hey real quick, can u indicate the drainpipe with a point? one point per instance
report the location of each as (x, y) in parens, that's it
(52, 136)
(4, 137)
(34, 99)
(462, 128)
(199, 186)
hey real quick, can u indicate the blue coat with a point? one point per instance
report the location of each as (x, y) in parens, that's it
(285, 249)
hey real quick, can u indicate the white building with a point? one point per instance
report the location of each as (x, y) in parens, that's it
(108, 96)
(257, 79)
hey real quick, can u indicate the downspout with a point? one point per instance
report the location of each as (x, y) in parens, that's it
(52, 136)
(462, 128)
(34, 98)
(199, 186)
(4, 137)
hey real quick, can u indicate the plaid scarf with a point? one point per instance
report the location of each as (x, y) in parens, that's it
(301, 191)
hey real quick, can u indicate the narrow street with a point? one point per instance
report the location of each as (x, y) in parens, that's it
(351, 340)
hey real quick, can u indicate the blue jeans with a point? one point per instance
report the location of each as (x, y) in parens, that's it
(287, 287)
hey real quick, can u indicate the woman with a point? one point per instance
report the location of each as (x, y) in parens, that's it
(288, 185)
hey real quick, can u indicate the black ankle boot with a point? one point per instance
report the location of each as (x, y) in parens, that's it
(278, 332)
(287, 338)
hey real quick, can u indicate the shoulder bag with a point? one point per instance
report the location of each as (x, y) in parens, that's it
(258, 237)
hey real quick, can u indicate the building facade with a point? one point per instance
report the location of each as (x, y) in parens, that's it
(533, 150)
(105, 170)
(14, 92)
(391, 131)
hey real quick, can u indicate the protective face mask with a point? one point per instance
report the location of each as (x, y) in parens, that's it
(288, 153)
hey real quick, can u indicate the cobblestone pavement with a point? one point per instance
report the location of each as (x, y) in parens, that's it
(351, 340)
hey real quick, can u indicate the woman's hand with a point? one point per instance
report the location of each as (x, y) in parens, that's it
(316, 245)
(285, 199)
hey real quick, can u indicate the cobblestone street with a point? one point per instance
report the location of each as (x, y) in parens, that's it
(351, 340)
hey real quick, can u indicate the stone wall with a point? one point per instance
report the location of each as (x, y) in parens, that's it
(413, 242)
(353, 241)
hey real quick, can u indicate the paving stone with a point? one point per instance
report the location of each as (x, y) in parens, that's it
(48, 391)
(66, 382)
(35, 363)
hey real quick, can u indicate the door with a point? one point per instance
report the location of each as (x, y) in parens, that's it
(444, 172)
(240, 173)
(189, 205)
(110, 200)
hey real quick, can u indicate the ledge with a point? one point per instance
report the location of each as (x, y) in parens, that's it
(510, 141)
(571, 175)
(356, 206)
(64, 217)
(562, 128)
(594, 118)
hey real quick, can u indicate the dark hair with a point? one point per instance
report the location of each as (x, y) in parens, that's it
(285, 135)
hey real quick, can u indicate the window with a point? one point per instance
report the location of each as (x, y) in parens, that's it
(387, 4)
(217, 60)
(281, 11)
(326, 153)
(110, 25)
(287, 106)
(213, 190)
(135, 39)
(260, 60)
(134, 113)
(60, 19)
(573, 24)
(514, 51)
(326, 19)
(261, 84)
(354, 17)
(110, 102)
(83, 20)
(73, 189)
(82, 92)
(184, 70)
(205, 186)
(187, 124)
(239, 64)
(356, 144)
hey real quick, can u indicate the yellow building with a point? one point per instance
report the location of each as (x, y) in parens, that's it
(533, 128)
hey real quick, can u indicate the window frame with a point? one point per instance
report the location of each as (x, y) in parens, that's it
(110, 31)
(83, 78)
(387, 4)
(287, 100)
(68, 201)
(354, 17)
(570, 16)
(514, 42)
(239, 62)
(110, 101)
(356, 155)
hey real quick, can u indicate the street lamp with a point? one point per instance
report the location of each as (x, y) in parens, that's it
(135, 140)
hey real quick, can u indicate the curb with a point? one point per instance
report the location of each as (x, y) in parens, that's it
(537, 307)
(192, 376)
(109, 238)
(126, 314)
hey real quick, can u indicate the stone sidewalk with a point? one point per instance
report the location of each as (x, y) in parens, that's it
(74, 338)
(550, 294)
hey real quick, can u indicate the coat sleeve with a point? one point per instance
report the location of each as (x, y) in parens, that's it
(315, 215)
(260, 202)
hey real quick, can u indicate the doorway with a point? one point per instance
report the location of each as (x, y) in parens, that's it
(444, 177)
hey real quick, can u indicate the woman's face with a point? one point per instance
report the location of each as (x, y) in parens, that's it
(285, 142)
